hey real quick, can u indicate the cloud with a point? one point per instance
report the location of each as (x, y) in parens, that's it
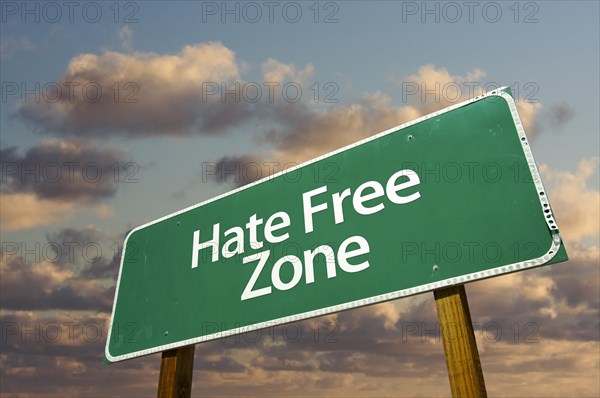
(93, 253)
(239, 170)
(553, 309)
(277, 72)
(299, 131)
(559, 115)
(142, 94)
(575, 203)
(369, 349)
(63, 351)
(528, 112)
(520, 370)
(218, 363)
(200, 90)
(304, 132)
(44, 286)
(538, 119)
(309, 132)
(26, 210)
(364, 351)
(51, 181)
(104, 211)
(126, 36)
(11, 45)
(62, 169)
(578, 284)
(73, 269)
(433, 88)
(558, 302)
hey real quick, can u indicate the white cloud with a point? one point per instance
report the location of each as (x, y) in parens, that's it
(10, 45)
(275, 71)
(142, 93)
(528, 112)
(437, 88)
(26, 210)
(575, 203)
(126, 36)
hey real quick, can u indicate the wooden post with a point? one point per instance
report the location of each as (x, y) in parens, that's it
(176, 369)
(462, 357)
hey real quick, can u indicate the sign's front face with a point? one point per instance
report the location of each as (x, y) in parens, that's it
(450, 198)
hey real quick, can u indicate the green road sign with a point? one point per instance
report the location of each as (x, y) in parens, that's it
(449, 198)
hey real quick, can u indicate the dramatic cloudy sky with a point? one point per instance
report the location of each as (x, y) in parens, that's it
(113, 114)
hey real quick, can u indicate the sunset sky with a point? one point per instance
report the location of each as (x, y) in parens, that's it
(114, 114)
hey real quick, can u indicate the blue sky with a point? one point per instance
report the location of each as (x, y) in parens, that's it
(365, 55)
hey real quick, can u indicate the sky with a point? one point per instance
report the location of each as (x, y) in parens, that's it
(117, 113)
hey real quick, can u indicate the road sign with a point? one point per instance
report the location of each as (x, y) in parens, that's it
(450, 198)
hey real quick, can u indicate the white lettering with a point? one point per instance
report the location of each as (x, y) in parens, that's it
(214, 243)
(309, 210)
(251, 226)
(270, 227)
(344, 254)
(276, 272)
(392, 189)
(262, 258)
(358, 199)
(238, 240)
(338, 200)
(309, 266)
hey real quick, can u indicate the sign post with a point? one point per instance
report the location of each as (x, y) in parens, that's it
(176, 371)
(460, 347)
(447, 199)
